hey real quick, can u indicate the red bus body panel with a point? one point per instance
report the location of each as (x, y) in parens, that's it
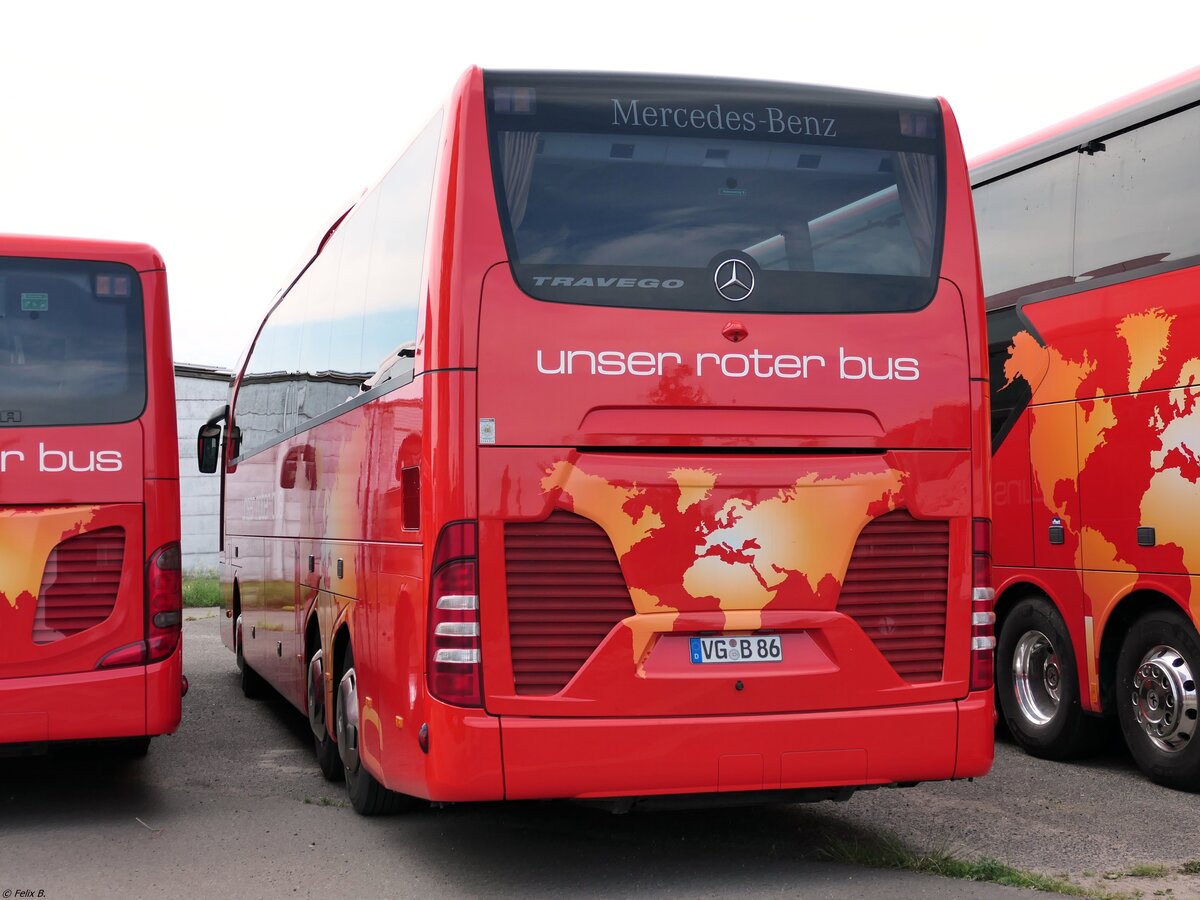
(55, 486)
(637, 718)
(1113, 404)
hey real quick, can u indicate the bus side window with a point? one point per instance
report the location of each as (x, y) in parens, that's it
(346, 311)
(1009, 399)
(1026, 225)
(398, 254)
(1138, 198)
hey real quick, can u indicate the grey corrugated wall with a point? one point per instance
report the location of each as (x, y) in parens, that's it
(198, 391)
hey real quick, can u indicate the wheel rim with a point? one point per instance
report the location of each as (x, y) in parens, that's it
(1164, 698)
(237, 639)
(347, 721)
(1037, 678)
(316, 693)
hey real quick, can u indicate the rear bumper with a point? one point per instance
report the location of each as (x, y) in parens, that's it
(129, 702)
(560, 758)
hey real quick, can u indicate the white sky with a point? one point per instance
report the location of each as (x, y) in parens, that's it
(228, 132)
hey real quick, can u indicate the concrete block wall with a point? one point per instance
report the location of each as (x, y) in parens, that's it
(198, 391)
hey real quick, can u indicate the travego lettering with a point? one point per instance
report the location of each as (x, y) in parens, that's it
(601, 282)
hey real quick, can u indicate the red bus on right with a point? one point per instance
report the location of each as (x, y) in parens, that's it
(1089, 238)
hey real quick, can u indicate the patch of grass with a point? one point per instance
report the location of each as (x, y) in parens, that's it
(1191, 867)
(202, 590)
(1148, 871)
(890, 853)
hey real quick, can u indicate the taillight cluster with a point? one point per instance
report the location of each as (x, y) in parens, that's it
(454, 659)
(983, 617)
(164, 602)
(164, 612)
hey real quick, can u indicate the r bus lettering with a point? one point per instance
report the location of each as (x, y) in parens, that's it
(54, 461)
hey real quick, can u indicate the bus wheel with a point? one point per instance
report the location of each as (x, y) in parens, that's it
(326, 749)
(252, 683)
(1156, 698)
(1036, 682)
(367, 796)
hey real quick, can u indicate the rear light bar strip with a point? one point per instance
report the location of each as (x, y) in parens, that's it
(983, 615)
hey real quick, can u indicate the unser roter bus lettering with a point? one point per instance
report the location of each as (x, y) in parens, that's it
(848, 367)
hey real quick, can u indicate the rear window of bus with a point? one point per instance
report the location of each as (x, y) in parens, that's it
(631, 192)
(72, 343)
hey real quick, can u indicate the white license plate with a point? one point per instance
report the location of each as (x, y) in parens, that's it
(754, 648)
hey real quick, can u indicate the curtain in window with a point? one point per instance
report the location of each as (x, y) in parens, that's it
(517, 151)
(916, 181)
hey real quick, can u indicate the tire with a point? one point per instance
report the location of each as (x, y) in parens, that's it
(324, 746)
(367, 796)
(1037, 686)
(253, 685)
(1157, 671)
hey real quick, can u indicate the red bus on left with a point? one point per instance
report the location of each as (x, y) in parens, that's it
(90, 578)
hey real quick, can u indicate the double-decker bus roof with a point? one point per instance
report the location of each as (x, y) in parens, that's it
(1095, 124)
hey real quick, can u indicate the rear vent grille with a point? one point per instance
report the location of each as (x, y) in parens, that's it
(565, 594)
(79, 585)
(895, 589)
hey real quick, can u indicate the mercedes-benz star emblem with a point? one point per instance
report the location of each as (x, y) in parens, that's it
(734, 280)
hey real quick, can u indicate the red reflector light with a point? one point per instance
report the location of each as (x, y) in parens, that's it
(129, 655)
(457, 541)
(981, 540)
(453, 663)
(983, 668)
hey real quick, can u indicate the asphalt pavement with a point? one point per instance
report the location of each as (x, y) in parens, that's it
(234, 806)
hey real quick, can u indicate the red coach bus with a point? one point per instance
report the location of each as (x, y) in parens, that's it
(1089, 243)
(90, 591)
(627, 441)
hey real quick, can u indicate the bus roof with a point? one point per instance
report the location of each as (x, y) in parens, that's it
(141, 257)
(1095, 124)
(639, 79)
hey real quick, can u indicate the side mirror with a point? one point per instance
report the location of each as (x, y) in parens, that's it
(208, 448)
